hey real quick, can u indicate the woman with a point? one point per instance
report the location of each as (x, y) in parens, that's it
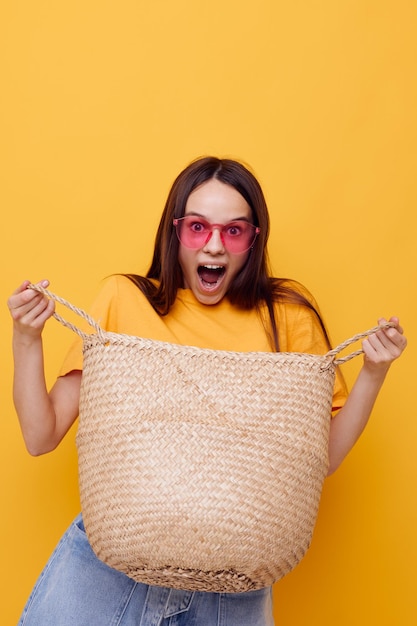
(209, 286)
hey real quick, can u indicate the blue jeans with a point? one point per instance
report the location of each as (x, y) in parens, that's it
(77, 589)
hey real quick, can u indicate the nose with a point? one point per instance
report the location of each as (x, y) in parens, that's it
(214, 243)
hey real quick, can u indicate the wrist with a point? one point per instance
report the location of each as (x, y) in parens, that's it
(26, 340)
(375, 372)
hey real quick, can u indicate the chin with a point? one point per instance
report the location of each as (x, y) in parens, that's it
(207, 298)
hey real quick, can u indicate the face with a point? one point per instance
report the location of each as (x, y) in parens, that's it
(209, 271)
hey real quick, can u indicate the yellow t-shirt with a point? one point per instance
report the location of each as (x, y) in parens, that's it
(122, 308)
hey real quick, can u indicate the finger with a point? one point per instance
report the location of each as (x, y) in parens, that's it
(390, 337)
(24, 300)
(395, 336)
(396, 321)
(14, 300)
(379, 347)
(368, 349)
(31, 295)
(393, 333)
(375, 343)
(23, 288)
(35, 316)
(42, 283)
(392, 320)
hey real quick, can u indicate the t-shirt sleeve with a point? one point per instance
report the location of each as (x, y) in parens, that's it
(302, 332)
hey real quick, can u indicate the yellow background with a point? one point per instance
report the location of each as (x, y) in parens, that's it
(102, 104)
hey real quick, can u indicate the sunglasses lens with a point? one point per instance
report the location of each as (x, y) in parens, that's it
(192, 232)
(238, 236)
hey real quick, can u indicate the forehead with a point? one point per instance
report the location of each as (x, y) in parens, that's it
(218, 202)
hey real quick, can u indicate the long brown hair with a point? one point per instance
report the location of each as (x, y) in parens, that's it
(253, 286)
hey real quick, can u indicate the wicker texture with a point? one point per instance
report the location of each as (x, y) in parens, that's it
(201, 469)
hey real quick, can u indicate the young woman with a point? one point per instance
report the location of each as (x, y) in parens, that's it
(209, 286)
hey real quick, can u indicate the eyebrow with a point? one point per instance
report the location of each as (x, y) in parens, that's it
(236, 219)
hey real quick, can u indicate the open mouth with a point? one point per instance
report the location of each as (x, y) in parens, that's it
(210, 275)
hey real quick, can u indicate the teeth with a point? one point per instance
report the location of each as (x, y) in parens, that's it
(213, 267)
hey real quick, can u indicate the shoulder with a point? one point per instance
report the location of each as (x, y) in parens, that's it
(300, 324)
(119, 286)
(119, 299)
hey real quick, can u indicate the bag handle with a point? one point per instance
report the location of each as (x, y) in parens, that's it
(354, 339)
(100, 332)
(104, 339)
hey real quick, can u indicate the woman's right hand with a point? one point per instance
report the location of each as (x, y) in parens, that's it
(44, 417)
(30, 309)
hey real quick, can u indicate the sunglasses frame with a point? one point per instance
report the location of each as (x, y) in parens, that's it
(177, 221)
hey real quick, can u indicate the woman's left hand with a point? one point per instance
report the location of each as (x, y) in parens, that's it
(383, 347)
(380, 350)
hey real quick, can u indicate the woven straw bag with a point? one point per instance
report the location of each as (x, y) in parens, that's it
(201, 469)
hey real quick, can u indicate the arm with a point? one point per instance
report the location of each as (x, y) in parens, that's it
(380, 350)
(44, 417)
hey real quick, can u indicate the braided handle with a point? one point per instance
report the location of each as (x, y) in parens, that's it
(100, 332)
(348, 342)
